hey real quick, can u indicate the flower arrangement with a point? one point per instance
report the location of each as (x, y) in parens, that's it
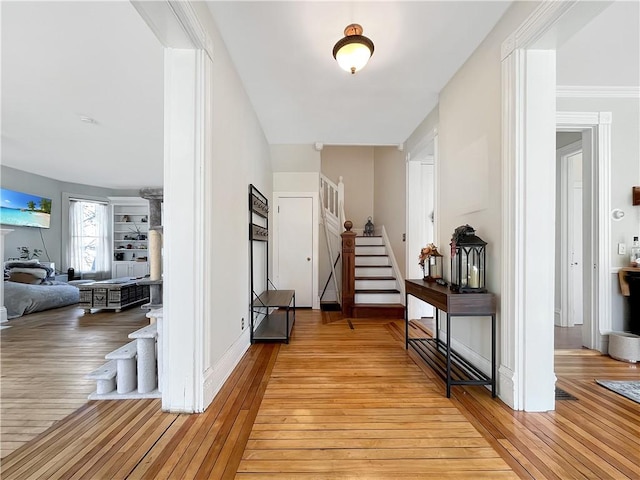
(425, 253)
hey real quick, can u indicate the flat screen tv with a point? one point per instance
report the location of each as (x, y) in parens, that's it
(24, 210)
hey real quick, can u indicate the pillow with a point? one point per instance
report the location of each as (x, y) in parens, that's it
(39, 272)
(21, 277)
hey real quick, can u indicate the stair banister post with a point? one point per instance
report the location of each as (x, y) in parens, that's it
(348, 269)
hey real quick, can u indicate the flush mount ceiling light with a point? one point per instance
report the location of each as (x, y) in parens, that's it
(354, 50)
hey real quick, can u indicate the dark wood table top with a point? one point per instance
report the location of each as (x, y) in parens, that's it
(454, 303)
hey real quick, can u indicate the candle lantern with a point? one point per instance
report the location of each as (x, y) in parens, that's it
(468, 260)
(435, 265)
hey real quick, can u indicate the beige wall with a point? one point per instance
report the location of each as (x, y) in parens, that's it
(389, 198)
(355, 165)
(294, 158)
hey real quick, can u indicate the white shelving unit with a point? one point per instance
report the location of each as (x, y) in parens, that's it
(130, 237)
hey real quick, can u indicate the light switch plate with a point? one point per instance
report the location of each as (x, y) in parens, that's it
(622, 249)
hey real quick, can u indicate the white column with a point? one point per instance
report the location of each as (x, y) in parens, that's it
(184, 279)
(3, 309)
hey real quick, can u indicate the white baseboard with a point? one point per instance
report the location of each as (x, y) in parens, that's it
(214, 377)
(3, 314)
(557, 318)
(506, 384)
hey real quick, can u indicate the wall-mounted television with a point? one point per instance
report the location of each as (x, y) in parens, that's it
(24, 209)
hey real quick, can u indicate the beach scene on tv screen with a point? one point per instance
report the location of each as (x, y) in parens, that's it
(24, 210)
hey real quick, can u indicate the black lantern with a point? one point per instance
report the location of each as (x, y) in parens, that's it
(368, 228)
(468, 260)
(434, 260)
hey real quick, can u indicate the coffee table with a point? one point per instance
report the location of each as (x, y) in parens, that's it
(114, 294)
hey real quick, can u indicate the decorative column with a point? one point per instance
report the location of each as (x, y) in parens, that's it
(3, 309)
(348, 269)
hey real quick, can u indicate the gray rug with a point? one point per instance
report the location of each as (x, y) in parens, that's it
(629, 389)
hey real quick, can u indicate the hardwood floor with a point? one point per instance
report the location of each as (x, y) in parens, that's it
(341, 403)
(44, 358)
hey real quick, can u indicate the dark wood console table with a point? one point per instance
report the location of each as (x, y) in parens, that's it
(445, 361)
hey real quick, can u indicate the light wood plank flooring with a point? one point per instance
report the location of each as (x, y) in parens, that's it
(345, 403)
(44, 358)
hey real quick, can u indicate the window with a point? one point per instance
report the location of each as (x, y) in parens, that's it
(88, 236)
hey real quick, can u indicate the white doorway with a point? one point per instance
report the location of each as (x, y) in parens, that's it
(294, 247)
(572, 208)
(421, 213)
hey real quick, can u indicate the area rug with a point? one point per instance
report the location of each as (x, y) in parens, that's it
(629, 389)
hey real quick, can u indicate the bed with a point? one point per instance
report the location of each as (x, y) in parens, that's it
(22, 298)
(29, 287)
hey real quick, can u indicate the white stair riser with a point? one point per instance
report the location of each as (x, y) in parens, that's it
(378, 298)
(376, 284)
(371, 250)
(372, 261)
(368, 241)
(374, 272)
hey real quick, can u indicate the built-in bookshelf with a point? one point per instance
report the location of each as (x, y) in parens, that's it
(130, 237)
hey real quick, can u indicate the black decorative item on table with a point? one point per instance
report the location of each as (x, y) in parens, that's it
(368, 228)
(468, 260)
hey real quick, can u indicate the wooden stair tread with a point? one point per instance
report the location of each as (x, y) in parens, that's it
(373, 266)
(368, 236)
(384, 290)
(375, 278)
(371, 255)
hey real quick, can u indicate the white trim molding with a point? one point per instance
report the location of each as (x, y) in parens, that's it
(599, 123)
(581, 91)
(526, 360)
(187, 178)
(214, 377)
(528, 164)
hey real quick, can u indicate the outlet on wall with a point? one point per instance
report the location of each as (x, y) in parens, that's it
(622, 249)
(242, 323)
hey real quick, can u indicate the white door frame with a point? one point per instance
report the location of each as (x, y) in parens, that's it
(315, 221)
(596, 128)
(567, 214)
(526, 374)
(416, 154)
(562, 154)
(187, 239)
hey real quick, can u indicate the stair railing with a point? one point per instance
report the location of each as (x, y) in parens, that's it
(325, 187)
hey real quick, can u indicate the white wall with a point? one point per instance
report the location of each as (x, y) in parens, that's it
(625, 173)
(240, 156)
(469, 120)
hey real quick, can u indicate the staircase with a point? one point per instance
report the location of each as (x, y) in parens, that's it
(376, 288)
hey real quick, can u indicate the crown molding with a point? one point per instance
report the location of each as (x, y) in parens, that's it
(580, 91)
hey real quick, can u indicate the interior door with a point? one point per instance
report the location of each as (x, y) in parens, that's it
(576, 264)
(295, 247)
(420, 226)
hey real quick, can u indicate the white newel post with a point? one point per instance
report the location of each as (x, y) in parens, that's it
(3, 309)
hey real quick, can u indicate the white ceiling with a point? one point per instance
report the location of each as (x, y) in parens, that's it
(63, 60)
(283, 53)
